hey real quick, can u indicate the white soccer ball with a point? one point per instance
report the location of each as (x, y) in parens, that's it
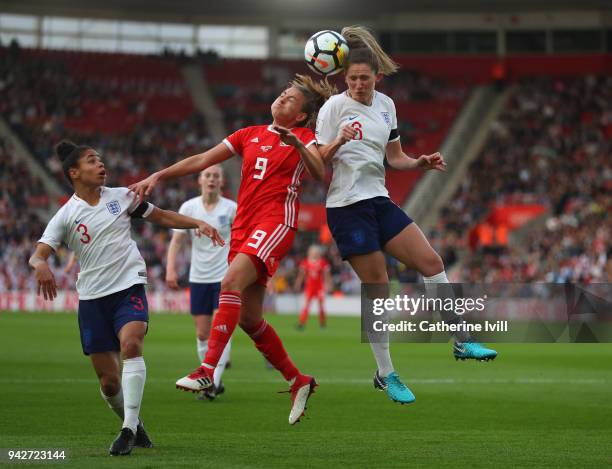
(326, 52)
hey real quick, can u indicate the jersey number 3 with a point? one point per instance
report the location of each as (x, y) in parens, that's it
(260, 165)
(85, 238)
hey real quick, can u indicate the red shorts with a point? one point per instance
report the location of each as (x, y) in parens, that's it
(313, 292)
(268, 241)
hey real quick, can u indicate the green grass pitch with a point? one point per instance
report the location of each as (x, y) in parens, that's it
(538, 405)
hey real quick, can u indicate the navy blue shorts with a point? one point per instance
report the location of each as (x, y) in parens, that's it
(100, 320)
(366, 226)
(204, 297)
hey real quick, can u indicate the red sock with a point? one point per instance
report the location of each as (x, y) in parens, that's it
(269, 344)
(223, 326)
(322, 318)
(305, 310)
(304, 314)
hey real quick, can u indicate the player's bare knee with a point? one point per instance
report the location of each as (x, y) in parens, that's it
(110, 384)
(131, 347)
(431, 265)
(230, 283)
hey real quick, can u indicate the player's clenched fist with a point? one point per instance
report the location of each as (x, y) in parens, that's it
(346, 134)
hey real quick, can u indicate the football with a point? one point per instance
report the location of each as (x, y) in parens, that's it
(326, 52)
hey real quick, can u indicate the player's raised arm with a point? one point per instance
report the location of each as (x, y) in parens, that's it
(190, 165)
(170, 219)
(399, 160)
(44, 277)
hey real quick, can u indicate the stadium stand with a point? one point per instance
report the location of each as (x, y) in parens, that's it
(550, 151)
(137, 111)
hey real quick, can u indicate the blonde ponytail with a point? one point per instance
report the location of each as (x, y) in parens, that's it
(359, 37)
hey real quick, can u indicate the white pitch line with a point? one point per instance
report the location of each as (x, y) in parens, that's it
(335, 381)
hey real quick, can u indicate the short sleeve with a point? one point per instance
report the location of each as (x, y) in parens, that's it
(136, 208)
(55, 231)
(235, 142)
(327, 127)
(308, 137)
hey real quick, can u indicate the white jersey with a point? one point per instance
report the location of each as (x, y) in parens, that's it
(101, 239)
(208, 262)
(358, 165)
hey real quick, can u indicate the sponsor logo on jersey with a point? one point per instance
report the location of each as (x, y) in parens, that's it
(271, 261)
(255, 140)
(266, 148)
(354, 117)
(386, 118)
(77, 221)
(283, 144)
(223, 220)
(142, 274)
(113, 207)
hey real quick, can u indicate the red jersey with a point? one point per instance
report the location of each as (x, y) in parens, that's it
(272, 173)
(314, 273)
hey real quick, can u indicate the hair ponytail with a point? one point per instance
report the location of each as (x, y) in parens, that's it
(315, 92)
(359, 37)
(69, 153)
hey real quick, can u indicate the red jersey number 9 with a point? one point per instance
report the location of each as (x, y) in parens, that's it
(260, 165)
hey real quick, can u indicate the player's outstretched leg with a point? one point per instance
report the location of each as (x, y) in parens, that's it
(115, 402)
(218, 388)
(223, 326)
(270, 345)
(301, 389)
(465, 347)
(133, 380)
(474, 351)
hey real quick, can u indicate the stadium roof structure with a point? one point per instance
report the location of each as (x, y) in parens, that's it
(281, 11)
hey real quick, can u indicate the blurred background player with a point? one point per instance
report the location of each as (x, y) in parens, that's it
(113, 312)
(274, 159)
(314, 271)
(357, 130)
(208, 263)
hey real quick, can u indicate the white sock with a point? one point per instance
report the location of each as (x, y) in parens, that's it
(447, 316)
(132, 382)
(438, 278)
(382, 356)
(115, 402)
(202, 346)
(221, 364)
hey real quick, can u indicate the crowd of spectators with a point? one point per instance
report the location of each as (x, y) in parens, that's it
(39, 97)
(551, 146)
(21, 197)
